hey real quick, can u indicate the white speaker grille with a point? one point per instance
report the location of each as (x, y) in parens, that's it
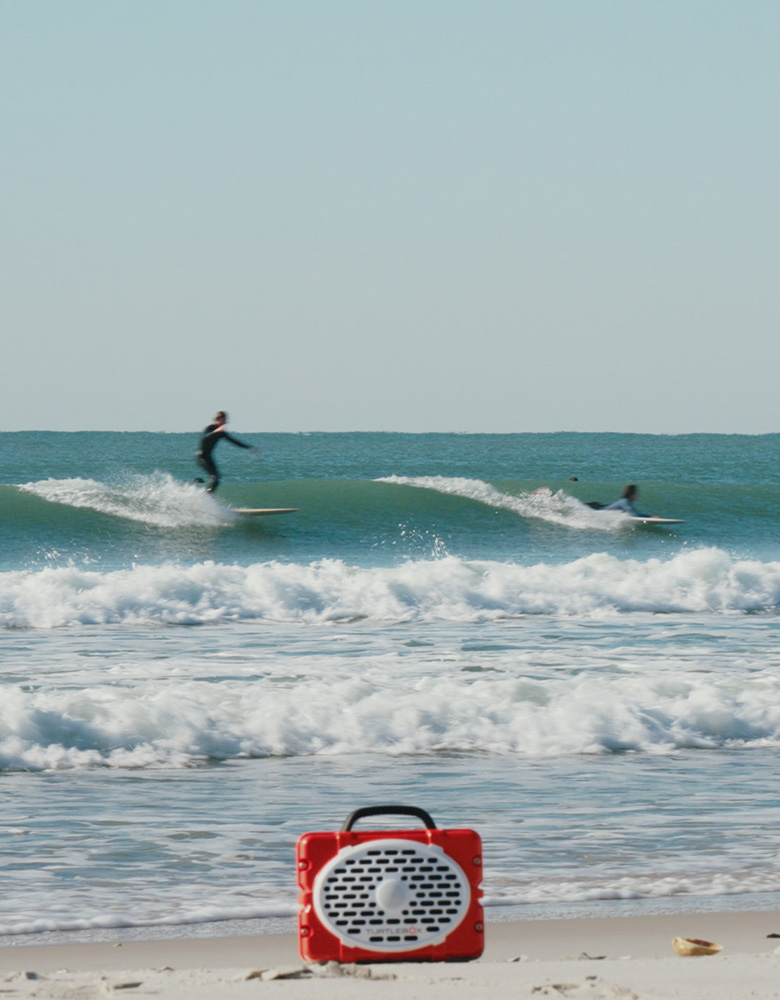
(391, 895)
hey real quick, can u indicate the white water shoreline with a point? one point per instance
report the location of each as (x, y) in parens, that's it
(495, 914)
(596, 957)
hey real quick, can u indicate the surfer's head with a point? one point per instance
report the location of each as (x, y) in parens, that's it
(630, 492)
(220, 417)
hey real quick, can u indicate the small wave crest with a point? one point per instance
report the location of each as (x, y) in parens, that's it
(544, 504)
(156, 499)
(449, 589)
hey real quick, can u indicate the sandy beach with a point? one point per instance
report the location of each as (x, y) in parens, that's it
(599, 958)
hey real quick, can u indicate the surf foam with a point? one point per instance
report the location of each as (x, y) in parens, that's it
(543, 503)
(452, 589)
(156, 499)
(389, 705)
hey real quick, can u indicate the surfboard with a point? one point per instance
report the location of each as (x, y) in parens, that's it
(631, 519)
(656, 520)
(259, 511)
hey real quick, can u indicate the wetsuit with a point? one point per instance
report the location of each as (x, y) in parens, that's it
(210, 438)
(626, 506)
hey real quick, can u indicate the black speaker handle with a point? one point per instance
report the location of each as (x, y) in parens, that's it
(385, 810)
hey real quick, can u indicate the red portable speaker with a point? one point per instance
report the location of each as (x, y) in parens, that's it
(390, 895)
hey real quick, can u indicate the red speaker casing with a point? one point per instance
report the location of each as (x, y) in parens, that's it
(390, 895)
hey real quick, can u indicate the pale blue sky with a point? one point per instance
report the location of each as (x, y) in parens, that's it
(450, 215)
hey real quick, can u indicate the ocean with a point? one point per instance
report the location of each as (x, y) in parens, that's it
(443, 623)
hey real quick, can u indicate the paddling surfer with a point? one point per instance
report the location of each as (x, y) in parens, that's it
(626, 502)
(210, 438)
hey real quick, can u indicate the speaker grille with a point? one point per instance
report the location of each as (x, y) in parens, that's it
(391, 895)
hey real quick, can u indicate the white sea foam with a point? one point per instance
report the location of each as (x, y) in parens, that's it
(542, 504)
(180, 914)
(156, 499)
(704, 580)
(185, 906)
(636, 887)
(388, 705)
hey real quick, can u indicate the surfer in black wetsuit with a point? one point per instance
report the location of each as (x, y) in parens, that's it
(210, 438)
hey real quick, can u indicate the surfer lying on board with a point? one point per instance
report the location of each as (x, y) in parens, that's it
(626, 502)
(210, 438)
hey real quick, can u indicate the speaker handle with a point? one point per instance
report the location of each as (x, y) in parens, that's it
(388, 810)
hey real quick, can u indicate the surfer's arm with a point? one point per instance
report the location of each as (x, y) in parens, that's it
(241, 444)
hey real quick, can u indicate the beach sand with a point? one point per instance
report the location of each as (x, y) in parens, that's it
(618, 957)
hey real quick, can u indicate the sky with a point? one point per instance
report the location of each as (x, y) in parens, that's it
(399, 215)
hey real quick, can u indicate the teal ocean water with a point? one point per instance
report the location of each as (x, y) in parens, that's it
(443, 622)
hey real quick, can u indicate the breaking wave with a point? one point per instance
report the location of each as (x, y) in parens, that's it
(543, 504)
(453, 589)
(156, 499)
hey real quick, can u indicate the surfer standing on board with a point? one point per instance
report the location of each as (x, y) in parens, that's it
(210, 438)
(626, 502)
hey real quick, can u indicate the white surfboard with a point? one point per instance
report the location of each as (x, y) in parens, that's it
(259, 511)
(656, 520)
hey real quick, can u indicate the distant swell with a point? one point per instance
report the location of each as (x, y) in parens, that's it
(452, 589)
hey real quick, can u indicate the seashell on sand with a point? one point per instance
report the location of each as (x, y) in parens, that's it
(695, 946)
